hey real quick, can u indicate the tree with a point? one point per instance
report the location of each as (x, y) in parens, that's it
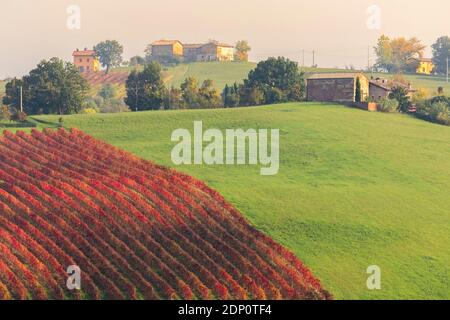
(242, 50)
(148, 52)
(5, 114)
(230, 96)
(278, 79)
(145, 89)
(107, 92)
(441, 52)
(190, 93)
(358, 94)
(54, 86)
(109, 53)
(400, 94)
(12, 93)
(209, 97)
(399, 54)
(251, 96)
(174, 100)
(137, 61)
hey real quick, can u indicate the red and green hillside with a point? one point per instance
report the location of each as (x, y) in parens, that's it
(135, 229)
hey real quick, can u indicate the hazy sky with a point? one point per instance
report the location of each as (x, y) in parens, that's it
(32, 30)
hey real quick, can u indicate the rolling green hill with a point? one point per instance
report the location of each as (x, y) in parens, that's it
(223, 73)
(355, 188)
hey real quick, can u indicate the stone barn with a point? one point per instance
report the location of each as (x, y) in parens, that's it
(336, 87)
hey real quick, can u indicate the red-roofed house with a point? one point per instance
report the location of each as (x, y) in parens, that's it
(86, 61)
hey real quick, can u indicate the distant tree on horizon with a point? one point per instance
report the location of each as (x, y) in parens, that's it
(242, 50)
(109, 53)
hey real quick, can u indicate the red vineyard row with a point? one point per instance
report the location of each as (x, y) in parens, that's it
(137, 230)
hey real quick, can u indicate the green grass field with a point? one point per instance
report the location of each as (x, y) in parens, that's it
(223, 73)
(354, 189)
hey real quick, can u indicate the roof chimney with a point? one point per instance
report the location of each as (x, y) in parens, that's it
(85, 49)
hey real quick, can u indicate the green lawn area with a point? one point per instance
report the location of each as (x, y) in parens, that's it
(354, 189)
(222, 73)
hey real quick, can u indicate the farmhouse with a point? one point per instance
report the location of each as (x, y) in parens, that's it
(211, 51)
(192, 51)
(426, 66)
(337, 87)
(381, 88)
(86, 61)
(167, 48)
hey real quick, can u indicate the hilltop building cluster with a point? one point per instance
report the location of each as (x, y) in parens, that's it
(87, 60)
(200, 52)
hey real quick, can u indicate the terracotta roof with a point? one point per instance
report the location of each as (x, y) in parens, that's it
(165, 42)
(193, 45)
(84, 53)
(337, 75)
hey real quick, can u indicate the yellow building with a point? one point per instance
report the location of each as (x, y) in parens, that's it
(167, 48)
(86, 61)
(212, 51)
(426, 66)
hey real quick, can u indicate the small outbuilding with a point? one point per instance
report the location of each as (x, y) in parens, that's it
(380, 88)
(337, 87)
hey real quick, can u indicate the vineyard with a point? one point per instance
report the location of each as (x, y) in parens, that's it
(100, 78)
(136, 230)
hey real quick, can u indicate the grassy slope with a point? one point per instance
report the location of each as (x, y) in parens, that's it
(354, 188)
(221, 72)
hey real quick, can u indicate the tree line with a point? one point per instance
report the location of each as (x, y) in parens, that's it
(403, 55)
(56, 87)
(275, 80)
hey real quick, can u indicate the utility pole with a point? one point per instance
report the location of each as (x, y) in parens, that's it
(314, 58)
(368, 58)
(303, 58)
